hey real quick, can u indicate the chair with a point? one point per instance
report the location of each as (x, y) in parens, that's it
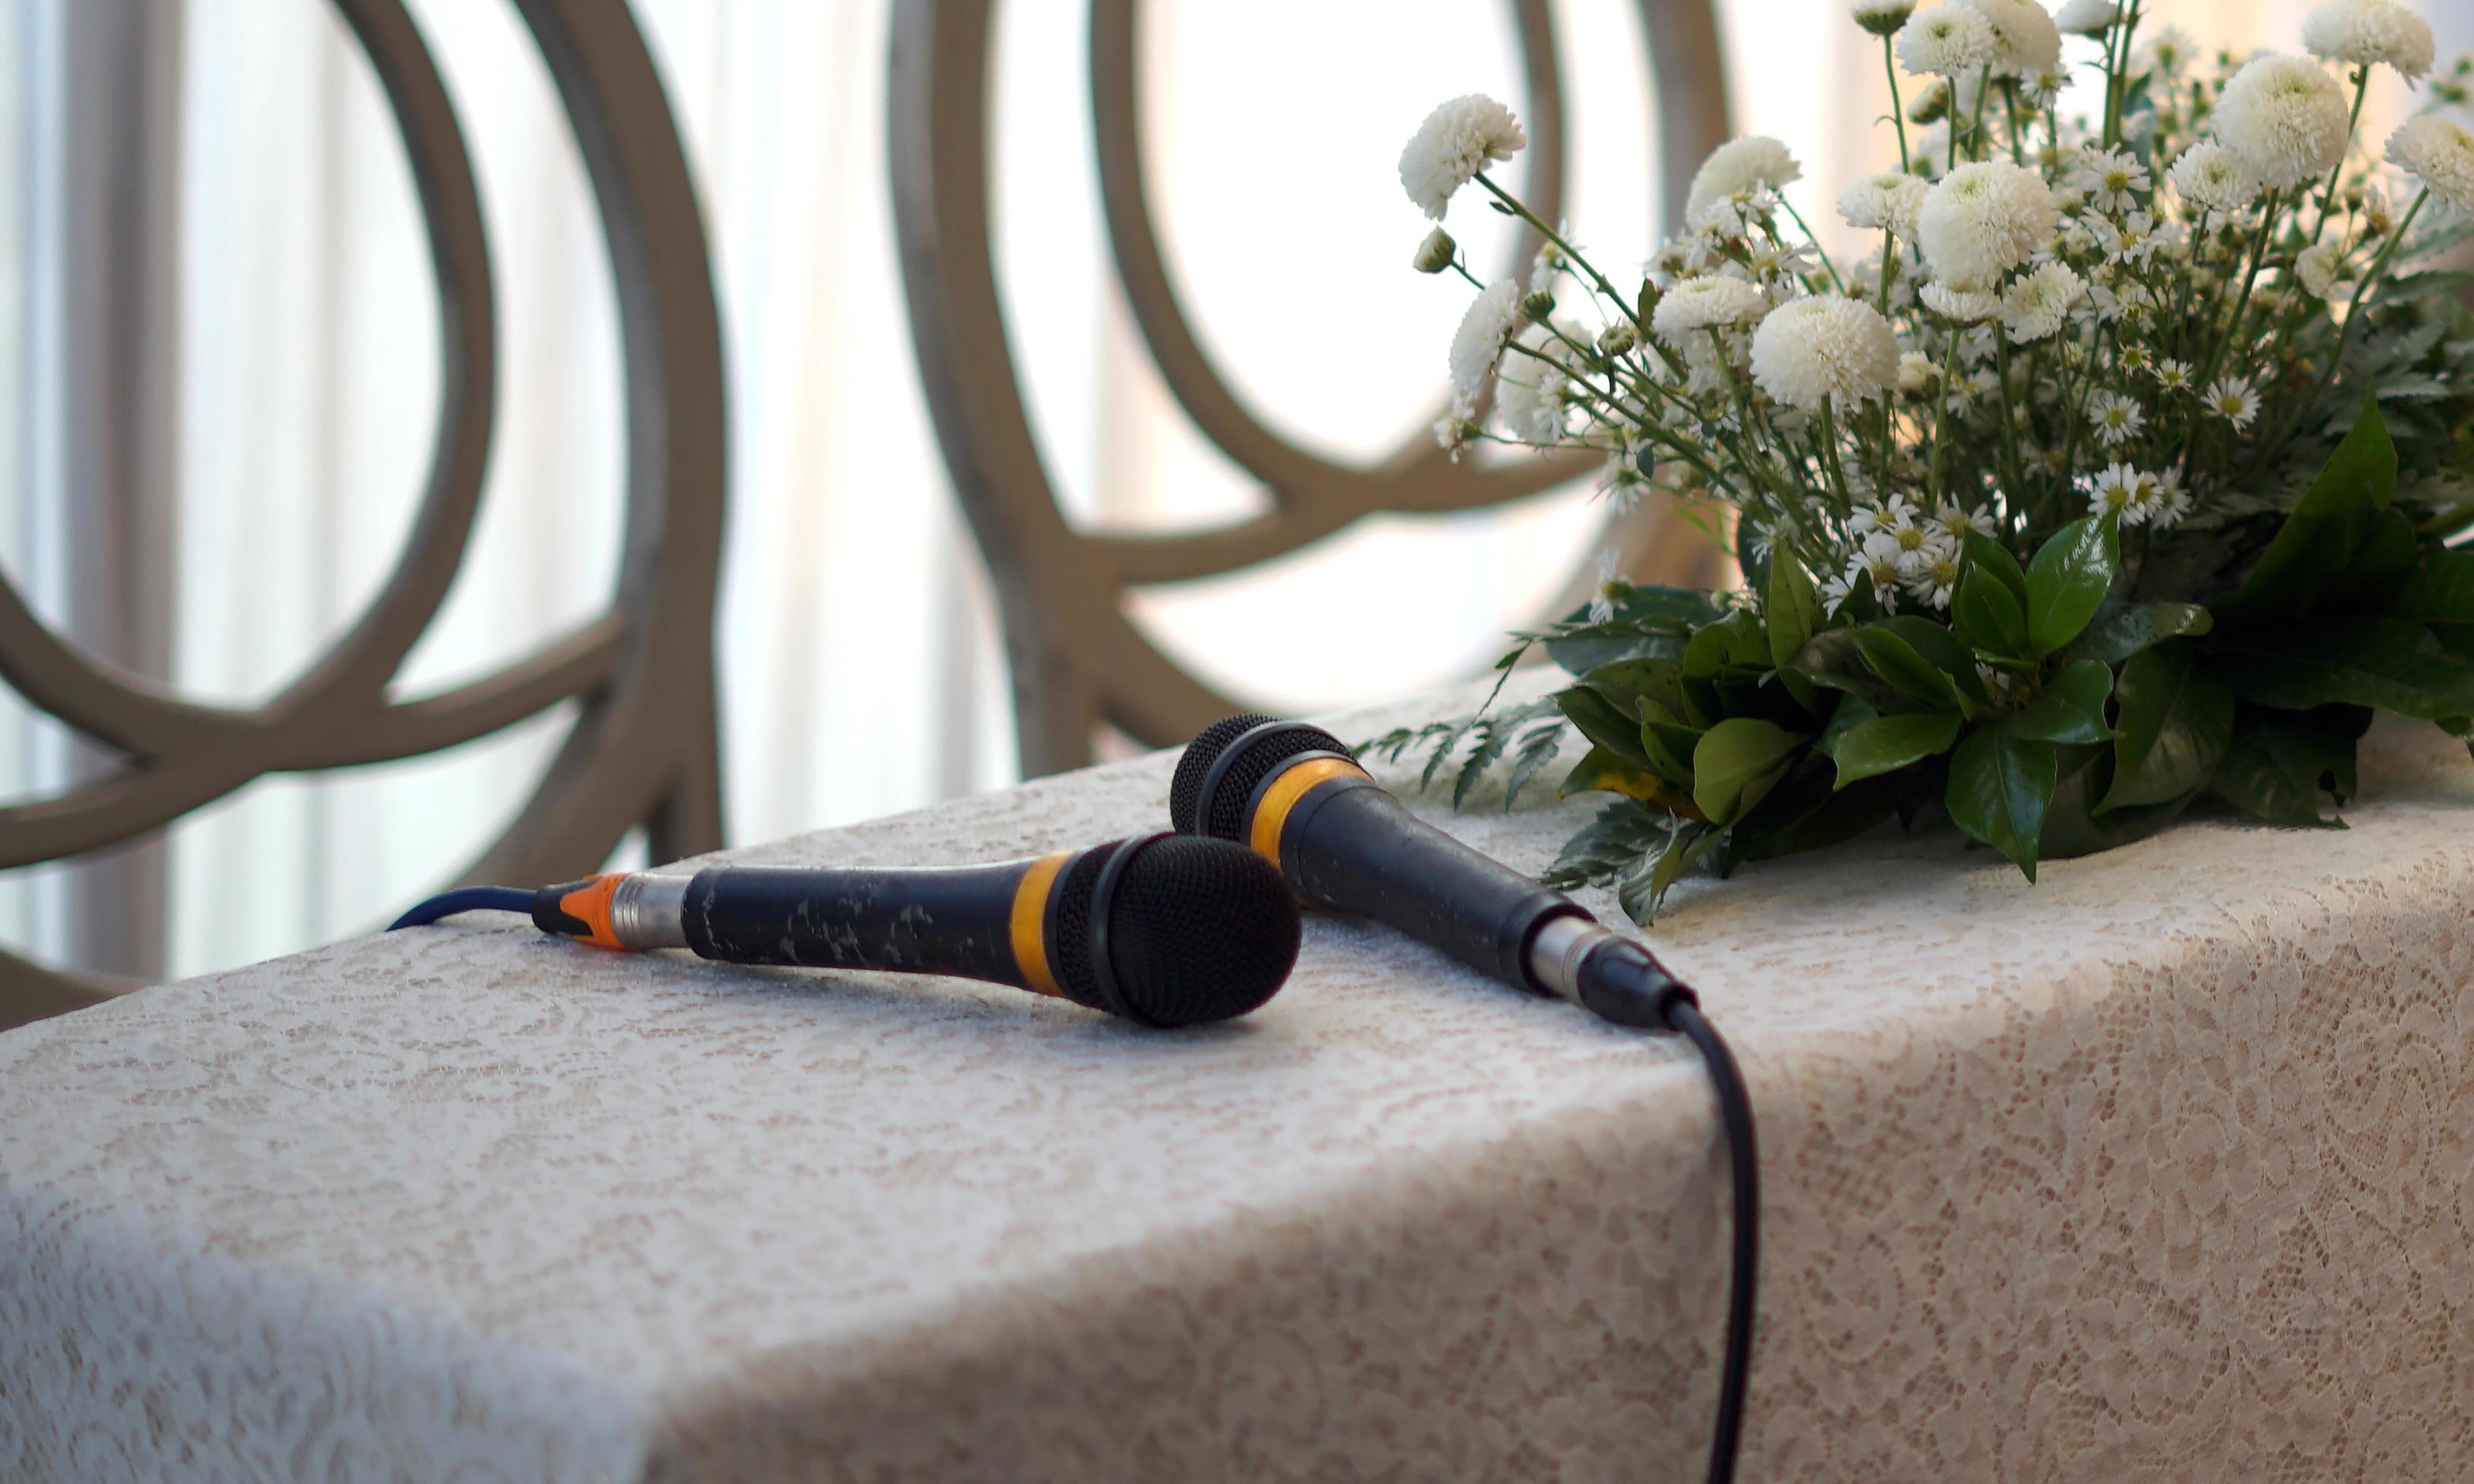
(1076, 659)
(644, 750)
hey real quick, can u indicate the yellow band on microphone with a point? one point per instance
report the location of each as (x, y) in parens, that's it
(1028, 924)
(1272, 816)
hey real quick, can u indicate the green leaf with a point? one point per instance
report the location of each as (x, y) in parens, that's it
(1613, 731)
(1939, 648)
(1898, 663)
(2321, 535)
(1987, 617)
(1639, 891)
(1803, 813)
(1986, 554)
(1537, 749)
(2071, 829)
(2068, 581)
(1600, 770)
(2071, 709)
(2356, 662)
(2174, 725)
(1626, 683)
(1832, 657)
(2441, 591)
(1998, 790)
(1648, 621)
(1888, 742)
(1667, 743)
(2257, 783)
(1794, 614)
(2124, 634)
(2087, 683)
(1620, 834)
(1735, 764)
(1738, 639)
(2316, 746)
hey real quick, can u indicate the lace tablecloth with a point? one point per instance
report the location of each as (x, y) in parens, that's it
(2159, 1170)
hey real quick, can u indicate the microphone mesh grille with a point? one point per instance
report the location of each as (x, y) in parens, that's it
(1244, 772)
(1070, 950)
(1201, 930)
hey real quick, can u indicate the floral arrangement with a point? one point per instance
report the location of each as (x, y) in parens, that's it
(2121, 474)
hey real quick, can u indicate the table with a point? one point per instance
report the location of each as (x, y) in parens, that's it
(2158, 1170)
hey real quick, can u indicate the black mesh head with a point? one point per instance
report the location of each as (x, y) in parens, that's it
(1244, 773)
(1198, 930)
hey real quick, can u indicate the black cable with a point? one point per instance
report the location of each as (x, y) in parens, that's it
(465, 899)
(1736, 1111)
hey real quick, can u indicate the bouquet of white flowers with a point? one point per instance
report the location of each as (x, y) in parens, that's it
(2119, 474)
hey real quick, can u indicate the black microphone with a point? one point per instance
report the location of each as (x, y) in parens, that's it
(1161, 930)
(1293, 793)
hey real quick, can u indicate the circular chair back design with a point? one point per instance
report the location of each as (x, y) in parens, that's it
(1077, 658)
(643, 750)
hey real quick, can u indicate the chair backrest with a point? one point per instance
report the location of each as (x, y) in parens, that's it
(1077, 658)
(643, 749)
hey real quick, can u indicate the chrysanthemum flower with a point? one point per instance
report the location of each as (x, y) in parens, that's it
(2439, 154)
(1966, 305)
(2087, 17)
(1752, 162)
(1817, 351)
(1710, 302)
(1456, 141)
(2116, 418)
(2285, 119)
(2369, 32)
(2323, 274)
(2025, 43)
(1949, 40)
(1529, 397)
(1887, 202)
(1916, 372)
(1983, 220)
(2037, 305)
(1881, 17)
(2214, 176)
(1478, 344)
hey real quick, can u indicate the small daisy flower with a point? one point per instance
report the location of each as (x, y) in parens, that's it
(1895, 514)
(2173, 376)
(2170, 502)
(1933, 577)
(2116, 493)
(2233, 400)
(1611, 587)
(1881, 568)
(1958, 523)
(2116, 418)
(2112, 179)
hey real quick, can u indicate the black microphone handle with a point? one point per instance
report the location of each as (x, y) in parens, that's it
(1350, 847)
(956, 920)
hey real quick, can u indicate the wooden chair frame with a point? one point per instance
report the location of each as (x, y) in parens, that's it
(645, 749)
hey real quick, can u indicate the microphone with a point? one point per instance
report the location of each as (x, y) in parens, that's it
(1161, 930)
(1293, 793)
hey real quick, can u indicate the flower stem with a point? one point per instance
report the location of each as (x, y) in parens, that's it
(1571, 253)
(1898, 110)
(2328, 201)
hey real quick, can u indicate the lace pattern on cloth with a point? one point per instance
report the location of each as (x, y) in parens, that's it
(2158, 1170)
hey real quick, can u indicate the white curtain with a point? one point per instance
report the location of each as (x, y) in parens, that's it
(859, 665)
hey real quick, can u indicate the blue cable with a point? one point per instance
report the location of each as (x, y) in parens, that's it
(467, 899)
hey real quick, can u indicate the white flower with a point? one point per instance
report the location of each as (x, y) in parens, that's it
(1966, 305)
(2172, 376)
(1752, 162)
(2367, 33)
(2116, 418)
(1958, 523)
(1879, 566)
(1949, 40)
(2116, 493)
(2165, 51)
(1529, 397)
(2167, 503)
(1610, 585)
(2440, 154)
(2233, 400)
(1713, 303)
(1456, 141)
(1880, 17)
(1450, 433)
(1478, 344)
(2087, 17)
(2035, 305)
(1983, 220)
(1896, 514)
(1932, 576)
(2026, 42)
(1887, 202)
(2320, 271)
(2285, 119)
(1817, 351)
(2113, 180)
(1916, 372)
(2214, 176)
